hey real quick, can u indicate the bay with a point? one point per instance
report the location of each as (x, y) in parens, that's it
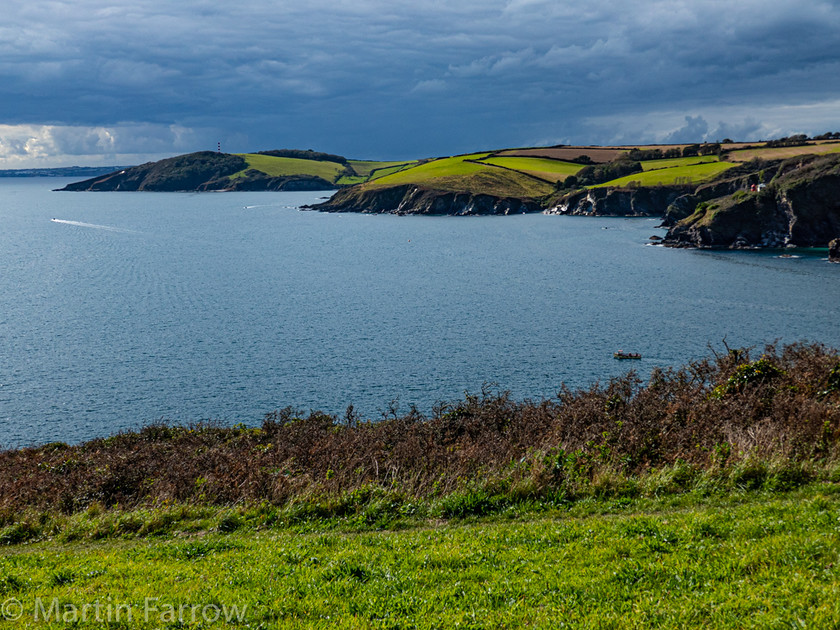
(136, 307)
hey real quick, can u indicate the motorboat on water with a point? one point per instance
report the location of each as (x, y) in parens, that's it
(626, 355)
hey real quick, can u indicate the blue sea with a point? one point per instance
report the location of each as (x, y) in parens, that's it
(130, 308)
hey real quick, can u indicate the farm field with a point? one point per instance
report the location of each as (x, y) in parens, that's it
(778, 153)
(524, 173)
(441, 167)
(693, 174)
(746, 560)
(282, 166)
(654, 165)
(596, 154)
(465, 173)
(365, 168)
(331, 171)
(544, 168)
(368, 170)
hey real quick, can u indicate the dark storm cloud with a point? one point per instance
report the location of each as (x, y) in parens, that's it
(399, 79)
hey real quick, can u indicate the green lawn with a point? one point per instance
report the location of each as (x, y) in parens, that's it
(551, 170)
(695, 174)
(747, 560)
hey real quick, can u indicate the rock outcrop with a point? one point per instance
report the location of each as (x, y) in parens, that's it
(742, 177)
(834, 250)
(414, 199)
(621, 202)
(799, 207)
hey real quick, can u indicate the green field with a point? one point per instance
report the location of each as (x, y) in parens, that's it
(368, 170)
(486, 172)
(551, 170)
(653, 165)
(442, 167)
(747, 560)
(534, 176)
(283, 166)
(331, 171)
(365, 168)
(464, 173)
(694, 174)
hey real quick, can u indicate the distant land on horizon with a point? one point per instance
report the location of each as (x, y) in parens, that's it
(62, 171)
(776, 193)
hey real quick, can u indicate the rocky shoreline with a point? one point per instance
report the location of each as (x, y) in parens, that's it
(414, 199)
(797, 205)
(618, 202)
(757, 204)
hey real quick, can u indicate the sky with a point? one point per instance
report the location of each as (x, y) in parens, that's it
(92, 82)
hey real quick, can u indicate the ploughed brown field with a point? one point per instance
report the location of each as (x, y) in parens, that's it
(596, 154)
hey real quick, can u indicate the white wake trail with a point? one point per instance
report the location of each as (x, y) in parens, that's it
(95, 226)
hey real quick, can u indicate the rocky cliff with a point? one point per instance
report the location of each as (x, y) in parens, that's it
(414, 199)
(800, 206)
(622, 202)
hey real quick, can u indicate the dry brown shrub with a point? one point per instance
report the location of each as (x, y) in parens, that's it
(629, 426)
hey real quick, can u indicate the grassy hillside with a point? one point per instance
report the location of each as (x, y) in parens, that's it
(670, 176)
(526, 173)
(655, 165)
(468, 173)
(530, 169)
(345, 173)
(544, 168)
(283, 166)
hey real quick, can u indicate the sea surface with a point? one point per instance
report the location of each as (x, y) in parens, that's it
(130, 308)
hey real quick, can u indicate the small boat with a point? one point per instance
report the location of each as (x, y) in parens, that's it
(626, 355)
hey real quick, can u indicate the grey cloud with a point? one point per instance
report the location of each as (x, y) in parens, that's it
(694, 130)
(396, 79)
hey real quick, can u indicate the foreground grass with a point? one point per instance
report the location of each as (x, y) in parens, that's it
(742, 560)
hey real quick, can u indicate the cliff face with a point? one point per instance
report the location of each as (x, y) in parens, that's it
(622, 202)
(800, 207)
(739, 178)
(412, 199)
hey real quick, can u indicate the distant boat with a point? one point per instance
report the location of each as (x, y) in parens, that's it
(626, 355)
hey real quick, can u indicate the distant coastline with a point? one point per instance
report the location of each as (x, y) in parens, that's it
(66, 171)
(723, 195)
